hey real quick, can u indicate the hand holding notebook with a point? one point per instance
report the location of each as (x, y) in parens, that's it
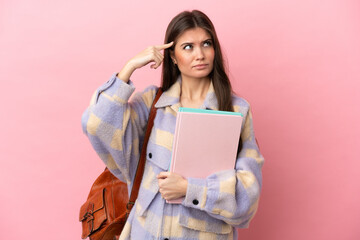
(205, 142)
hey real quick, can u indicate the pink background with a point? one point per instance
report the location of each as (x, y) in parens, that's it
(298, 64)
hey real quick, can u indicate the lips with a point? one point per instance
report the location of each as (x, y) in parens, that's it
(201, 66)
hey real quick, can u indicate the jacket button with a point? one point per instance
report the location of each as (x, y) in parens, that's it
(150, 155)
(195, 202)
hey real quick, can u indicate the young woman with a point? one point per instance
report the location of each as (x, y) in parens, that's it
(192, 76)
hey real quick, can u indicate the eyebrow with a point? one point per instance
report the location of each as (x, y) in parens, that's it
(188, 43)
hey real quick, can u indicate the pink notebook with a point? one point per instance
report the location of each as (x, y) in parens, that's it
(205, 142)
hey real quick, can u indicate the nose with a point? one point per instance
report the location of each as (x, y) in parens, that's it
(199, 53)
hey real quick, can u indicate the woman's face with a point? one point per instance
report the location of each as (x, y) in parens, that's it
(194, 54)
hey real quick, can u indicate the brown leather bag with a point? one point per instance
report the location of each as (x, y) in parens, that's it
(107, 208)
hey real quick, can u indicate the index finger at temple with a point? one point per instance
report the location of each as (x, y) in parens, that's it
(164, 46)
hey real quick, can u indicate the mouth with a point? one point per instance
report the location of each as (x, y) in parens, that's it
(201, 66)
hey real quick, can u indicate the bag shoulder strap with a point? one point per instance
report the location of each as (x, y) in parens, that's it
(141, 165)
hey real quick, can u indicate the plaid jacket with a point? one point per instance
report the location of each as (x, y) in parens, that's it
(224, 200)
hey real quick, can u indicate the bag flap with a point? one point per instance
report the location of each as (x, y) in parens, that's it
(93, 213)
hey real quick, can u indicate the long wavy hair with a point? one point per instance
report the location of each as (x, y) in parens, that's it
(179, 24)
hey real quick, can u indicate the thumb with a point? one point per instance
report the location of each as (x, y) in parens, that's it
(162, 175)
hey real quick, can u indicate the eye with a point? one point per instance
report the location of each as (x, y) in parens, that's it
(207, 43)
(188, 47)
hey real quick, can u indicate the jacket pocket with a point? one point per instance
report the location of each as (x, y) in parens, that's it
(158, 155)
(201, 221)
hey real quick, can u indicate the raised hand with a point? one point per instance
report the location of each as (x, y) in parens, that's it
(150, 54)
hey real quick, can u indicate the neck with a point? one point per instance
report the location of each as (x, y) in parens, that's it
(194, 89)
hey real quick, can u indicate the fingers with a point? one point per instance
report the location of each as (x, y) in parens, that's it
(157, 59)
(164, 46)
(152, 55)
(163, 175)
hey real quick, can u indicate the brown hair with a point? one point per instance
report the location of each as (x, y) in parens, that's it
(179, 24)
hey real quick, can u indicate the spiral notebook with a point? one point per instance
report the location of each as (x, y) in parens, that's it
(205, 142)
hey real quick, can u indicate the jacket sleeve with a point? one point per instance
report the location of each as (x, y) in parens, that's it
(115, 126)
(231, 195)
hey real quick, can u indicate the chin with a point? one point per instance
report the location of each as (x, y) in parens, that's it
(202, 75)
